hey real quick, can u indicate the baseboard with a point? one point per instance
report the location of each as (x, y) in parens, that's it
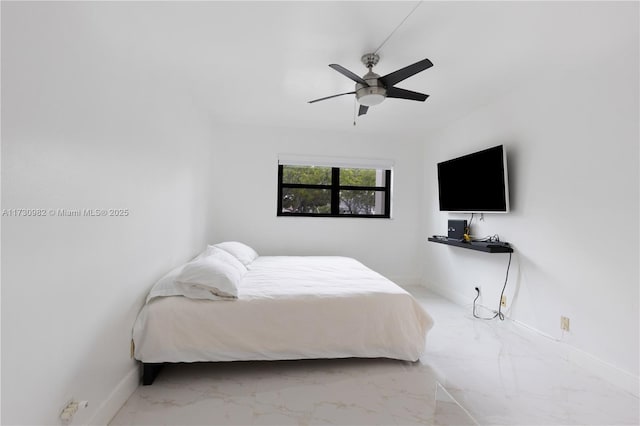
(606, 371)
(110, 406)
(596, 366)
(621, 378)
(405, 281)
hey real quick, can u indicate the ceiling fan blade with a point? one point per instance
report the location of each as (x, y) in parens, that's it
(396, 92)
(353, 76)
(332, 96)
(363, 110)
(404, 73)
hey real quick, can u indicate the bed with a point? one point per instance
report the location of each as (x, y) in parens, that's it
(280, 308)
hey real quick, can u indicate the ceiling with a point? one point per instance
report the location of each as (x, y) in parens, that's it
(260, 62)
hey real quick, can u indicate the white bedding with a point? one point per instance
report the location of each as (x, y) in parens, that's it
(287, 308)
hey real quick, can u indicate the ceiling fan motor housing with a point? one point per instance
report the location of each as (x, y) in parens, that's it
(373, 94)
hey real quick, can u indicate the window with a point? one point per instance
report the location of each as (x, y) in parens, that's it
(319, 190)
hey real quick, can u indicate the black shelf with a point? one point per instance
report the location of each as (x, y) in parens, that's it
(487, 247)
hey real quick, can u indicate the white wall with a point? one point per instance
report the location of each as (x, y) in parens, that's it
(245, 168)
(572, 142)
(84, 126)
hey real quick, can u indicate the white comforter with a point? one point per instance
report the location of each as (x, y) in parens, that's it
(287, 308)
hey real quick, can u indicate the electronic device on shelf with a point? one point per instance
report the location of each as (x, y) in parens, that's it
(456, 229)
(475, 183)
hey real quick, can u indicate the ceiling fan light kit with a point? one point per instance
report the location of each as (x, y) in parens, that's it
(370, 96)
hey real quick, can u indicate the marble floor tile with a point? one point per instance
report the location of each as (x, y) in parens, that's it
(306, 392)
(502, 374)
(473, 372)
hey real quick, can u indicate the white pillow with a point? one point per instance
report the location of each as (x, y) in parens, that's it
(242, 252)
(226, 256)
(208, 278)
(165, 286)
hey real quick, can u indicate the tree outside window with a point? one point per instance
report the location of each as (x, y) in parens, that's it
(333, 191)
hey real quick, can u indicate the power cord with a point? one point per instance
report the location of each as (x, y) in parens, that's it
(467, 231)
(489, 239)
(499, 313)
(469, 238)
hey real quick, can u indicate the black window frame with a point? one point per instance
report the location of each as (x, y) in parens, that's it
(335, 189)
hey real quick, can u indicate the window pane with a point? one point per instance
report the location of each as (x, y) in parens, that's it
(310, 175)
(362, 177)
(304, 200)
(362, 202)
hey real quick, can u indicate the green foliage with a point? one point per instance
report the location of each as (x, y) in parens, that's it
(358, 177)
(306, 200)
(356, 201)
(309, 175)
(318, 200)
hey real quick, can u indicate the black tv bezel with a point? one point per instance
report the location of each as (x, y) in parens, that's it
(505, 183)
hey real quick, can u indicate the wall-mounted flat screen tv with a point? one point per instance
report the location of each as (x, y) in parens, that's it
(475, 183)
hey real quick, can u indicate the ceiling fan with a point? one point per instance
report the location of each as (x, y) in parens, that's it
(371, 89)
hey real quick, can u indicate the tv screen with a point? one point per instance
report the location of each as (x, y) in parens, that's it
(475, 183)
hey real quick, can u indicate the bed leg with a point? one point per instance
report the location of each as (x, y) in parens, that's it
(150, 372)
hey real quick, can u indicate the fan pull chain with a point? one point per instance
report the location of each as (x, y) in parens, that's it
(399, 25)
(355, 104)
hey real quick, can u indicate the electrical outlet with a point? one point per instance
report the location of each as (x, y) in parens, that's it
(503, 301)
(564, 323)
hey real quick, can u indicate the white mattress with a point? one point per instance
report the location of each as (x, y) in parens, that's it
(288, 308)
